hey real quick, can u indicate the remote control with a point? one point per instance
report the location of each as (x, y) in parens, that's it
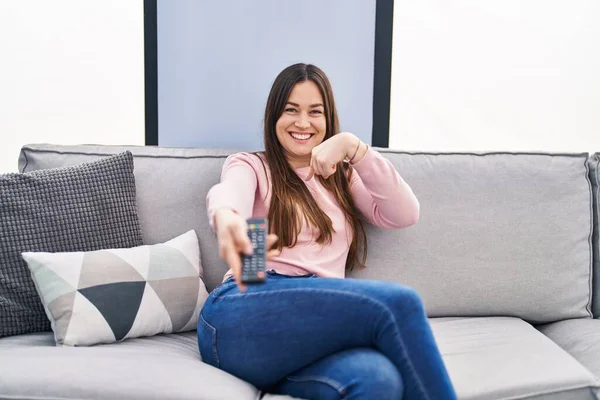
(253, 267)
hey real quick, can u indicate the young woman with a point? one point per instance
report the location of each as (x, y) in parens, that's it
(306, 331)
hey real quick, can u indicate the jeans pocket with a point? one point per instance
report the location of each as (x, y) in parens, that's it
(207, 342)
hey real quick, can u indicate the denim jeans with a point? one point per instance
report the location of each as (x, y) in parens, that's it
(324, 338)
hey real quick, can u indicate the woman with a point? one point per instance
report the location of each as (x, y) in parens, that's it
(305, 332)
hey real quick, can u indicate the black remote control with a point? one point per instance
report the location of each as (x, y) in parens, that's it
(253, 267)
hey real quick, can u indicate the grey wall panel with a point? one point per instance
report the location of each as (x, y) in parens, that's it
(218, 59)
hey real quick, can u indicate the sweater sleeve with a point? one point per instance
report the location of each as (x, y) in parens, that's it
(237, 187)
(380, 193)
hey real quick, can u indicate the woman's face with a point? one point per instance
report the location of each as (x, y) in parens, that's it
(302, 125)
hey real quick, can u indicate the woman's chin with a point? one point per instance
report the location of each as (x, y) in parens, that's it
(299, 153)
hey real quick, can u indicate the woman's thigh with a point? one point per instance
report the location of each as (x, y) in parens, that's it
(353, 374)
(278, 327)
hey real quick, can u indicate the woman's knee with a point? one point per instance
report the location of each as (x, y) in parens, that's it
(401, 298)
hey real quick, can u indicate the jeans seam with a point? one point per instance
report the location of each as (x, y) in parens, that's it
(352, 294)
(214, 339)
(403, 349)
(335, 385)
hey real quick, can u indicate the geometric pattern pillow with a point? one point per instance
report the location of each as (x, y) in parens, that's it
(110, 295)
(85, 207)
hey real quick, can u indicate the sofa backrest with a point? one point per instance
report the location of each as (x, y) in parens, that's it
(499, 233)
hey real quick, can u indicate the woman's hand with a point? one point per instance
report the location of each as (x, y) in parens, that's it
(327, 155)
(232, 236)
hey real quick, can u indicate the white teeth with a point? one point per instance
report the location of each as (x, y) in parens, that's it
(299, 136)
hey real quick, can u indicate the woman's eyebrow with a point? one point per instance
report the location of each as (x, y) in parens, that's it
(311, 106)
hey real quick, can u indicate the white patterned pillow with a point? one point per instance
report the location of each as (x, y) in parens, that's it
(107, 296)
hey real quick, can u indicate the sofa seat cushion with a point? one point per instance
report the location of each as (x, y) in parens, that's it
(158, 367)
(506, 358)
(580, 338)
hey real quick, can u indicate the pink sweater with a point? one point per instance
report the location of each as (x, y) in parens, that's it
(378, 191)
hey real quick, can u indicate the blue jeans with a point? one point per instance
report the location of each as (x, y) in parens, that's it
(324, 338)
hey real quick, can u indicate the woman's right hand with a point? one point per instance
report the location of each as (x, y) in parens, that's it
(232, 236)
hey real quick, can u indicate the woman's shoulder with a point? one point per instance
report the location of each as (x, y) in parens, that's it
(255, 161)
(252, 159)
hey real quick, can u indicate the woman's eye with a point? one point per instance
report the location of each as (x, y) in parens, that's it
(290, 109)
(316, 112)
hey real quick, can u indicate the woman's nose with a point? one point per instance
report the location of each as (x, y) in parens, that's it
(302, 123)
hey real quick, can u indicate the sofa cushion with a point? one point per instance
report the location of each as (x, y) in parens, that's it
(111, 295)
(580, 338)
(79, 208)
(499, 233)
(506, 358)
(158, 367)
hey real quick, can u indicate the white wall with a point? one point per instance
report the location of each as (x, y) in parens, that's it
(71, 72)
(496, 75)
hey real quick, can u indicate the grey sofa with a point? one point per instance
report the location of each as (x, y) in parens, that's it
(504, 257)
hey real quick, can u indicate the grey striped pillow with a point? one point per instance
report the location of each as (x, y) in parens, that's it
(85, 207)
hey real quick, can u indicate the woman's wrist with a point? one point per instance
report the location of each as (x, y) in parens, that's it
(221, 213)
(351, 144)
(355, 148)
(360, 153)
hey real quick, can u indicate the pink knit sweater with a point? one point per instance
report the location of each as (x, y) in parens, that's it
(378, 191)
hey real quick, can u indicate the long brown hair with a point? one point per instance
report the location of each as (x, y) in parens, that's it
(291, 199)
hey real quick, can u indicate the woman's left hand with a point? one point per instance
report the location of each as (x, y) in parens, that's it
(325, 157)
